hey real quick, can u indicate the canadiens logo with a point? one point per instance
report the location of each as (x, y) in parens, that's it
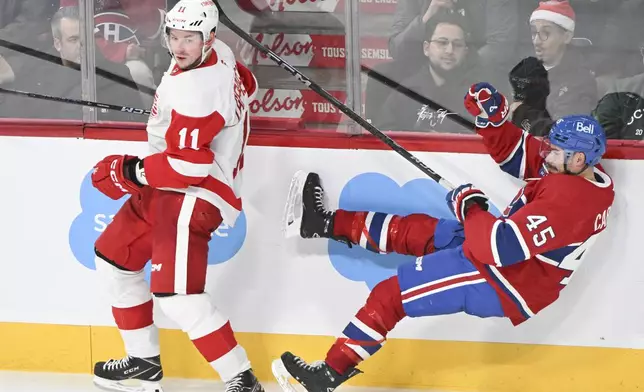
(115, 27)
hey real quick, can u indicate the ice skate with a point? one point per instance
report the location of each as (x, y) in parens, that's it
(305, 213)
(244, 382)
(315, 377)
(130, 374)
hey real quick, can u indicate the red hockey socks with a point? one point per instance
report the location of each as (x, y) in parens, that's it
(384, 233)
(210, 332)
(367, 332)
(136, 325)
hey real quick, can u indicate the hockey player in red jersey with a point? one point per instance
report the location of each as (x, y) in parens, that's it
(512, 266)
(179, 195)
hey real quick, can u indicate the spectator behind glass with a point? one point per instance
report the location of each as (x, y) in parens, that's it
(24, 23)
(621, 110)
(615, 28)
(530, 90)
(62, 79)
(573, 89)
(126, 30)
(493, 24)
(443, 79)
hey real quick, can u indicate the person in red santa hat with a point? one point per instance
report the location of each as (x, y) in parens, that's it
(573, 89)
(552, 27)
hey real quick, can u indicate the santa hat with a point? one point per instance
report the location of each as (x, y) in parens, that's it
(557, 12)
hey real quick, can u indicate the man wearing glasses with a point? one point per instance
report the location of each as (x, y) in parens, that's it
(442, 80)
(573, 89)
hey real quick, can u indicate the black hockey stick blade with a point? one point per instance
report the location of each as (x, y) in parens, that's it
(81, 102)
(331, 99)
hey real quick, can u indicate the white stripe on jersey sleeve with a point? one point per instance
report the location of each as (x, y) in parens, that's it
(517, 232)
(189, 169)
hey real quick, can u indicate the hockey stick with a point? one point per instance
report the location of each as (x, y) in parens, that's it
(457, 118)
(334, 101)
(56, 60)
(72, 101)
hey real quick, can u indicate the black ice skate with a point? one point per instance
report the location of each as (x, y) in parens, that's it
(244, 382)
(316, 377)
(111, 374)
(305, 212)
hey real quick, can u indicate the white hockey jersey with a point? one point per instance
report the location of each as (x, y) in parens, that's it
(198, 128)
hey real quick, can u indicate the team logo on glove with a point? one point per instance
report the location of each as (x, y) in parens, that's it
(462, 198)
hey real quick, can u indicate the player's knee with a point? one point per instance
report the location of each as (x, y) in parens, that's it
(125, 288)
(386, 291)
(194, 313)
(385, 301)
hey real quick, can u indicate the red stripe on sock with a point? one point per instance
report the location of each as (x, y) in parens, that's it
(217, 343)
(341, 358)
(349, 224)
(136, 317)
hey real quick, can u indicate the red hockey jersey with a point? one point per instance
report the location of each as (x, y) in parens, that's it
(529, 254)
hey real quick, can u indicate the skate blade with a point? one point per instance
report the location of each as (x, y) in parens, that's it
(282, 376)
(293, 210)
(118, 386)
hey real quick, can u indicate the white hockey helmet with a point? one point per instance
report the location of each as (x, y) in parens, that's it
(193, 15)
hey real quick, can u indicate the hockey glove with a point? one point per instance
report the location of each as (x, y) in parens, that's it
(114, 176)
(529, 81)
(488, 105)
(459, 200)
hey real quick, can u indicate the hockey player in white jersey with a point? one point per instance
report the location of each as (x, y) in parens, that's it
(179, 195)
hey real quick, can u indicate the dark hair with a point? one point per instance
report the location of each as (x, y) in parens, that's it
(449, 17)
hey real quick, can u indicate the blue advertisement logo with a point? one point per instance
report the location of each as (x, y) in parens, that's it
(98, 211)
(377, 192)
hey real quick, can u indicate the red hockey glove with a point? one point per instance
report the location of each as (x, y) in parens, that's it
(487, 104)
(462, 198)
(114, 176)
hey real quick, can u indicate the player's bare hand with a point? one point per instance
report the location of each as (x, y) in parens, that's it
(435, 6)
(134, 52)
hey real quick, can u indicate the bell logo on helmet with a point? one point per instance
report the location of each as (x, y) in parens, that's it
(590, 128)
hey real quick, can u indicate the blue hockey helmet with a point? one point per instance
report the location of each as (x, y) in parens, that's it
(579, 133)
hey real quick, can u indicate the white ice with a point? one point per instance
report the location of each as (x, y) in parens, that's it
(61, 382)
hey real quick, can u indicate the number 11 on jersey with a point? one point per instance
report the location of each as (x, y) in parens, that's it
(194, 138)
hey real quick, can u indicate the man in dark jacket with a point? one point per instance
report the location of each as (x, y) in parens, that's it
(573, 89)
(61, 78)
(444, 79)
(494, 26)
